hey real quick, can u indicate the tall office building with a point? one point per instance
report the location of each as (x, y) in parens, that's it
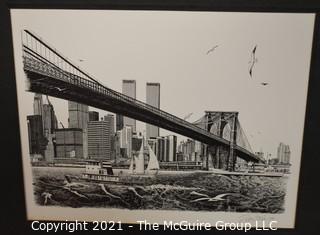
(117, 155)
(78, 118)
(99, 139)
(110, 119)
(69, 143)
(50, 122)
(188, 149)
(37, 104)
(172, 148)
(165, 148)
(198, 146)
(125, 141)
(46, 121)
(45, 109)
(128, 89)
(153, 99)
(119, 122)
(37, 141)
(128, 136)
(38, 107)
(78, 115)
(111, 122)
(160, 149)
(283, 154)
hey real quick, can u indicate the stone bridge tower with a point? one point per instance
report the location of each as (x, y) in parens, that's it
(224, 125)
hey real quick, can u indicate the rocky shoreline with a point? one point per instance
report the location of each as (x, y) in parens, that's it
(188, 192)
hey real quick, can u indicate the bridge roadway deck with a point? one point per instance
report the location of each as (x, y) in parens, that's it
(47, 79)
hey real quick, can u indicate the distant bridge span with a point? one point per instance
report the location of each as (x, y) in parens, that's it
(50, 73)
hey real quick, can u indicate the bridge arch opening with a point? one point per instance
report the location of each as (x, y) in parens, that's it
(226, 131)
(215, 129)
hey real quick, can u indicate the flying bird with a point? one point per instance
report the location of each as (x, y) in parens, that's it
(81, 60)
(60, 89)
(253, 60)
(212, 49)
(219, 197)
(199, 194)
(264, 83)
(46, 196)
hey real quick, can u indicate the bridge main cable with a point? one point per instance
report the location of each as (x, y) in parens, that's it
(53, 50)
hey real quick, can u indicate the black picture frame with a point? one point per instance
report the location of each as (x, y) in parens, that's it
(14, 216)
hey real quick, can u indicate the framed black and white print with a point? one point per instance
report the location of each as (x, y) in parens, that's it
(185, 117)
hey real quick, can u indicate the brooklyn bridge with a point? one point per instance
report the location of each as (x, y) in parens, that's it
(50, 73)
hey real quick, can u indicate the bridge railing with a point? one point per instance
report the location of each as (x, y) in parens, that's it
(40, 65)
(41, 49)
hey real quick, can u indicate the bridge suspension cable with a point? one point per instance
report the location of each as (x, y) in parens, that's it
(35, 46)
(242, 139)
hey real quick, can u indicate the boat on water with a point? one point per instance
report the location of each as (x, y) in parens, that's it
(99, 171)
(137, 163)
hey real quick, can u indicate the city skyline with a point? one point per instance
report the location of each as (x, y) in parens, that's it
(96, 132)
(190, 76)
(143, 127)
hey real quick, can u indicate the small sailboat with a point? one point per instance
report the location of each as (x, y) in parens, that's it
(137, 163)
(153, 164)
(98, 171)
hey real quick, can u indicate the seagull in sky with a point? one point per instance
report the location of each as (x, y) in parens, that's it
(60, 89)
(253, 60)
(212, 49)
(264, 83)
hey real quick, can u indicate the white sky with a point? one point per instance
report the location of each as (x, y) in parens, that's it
(170, 48)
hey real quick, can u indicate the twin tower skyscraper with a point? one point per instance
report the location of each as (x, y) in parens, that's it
(152, 98)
